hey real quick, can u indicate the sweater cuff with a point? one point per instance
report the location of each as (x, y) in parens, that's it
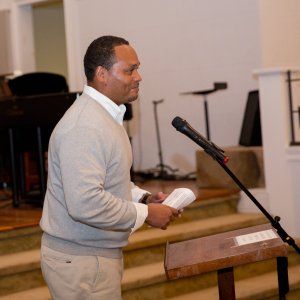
(141, 215)
(137, 193)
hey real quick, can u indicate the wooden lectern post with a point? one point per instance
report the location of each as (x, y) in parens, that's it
(222, 252)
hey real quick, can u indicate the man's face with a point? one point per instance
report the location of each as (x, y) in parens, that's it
(122, 84)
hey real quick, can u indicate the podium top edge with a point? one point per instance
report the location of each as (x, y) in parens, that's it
(220, 250)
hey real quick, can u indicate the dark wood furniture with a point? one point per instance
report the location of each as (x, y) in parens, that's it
(26, 124)
(222, 253)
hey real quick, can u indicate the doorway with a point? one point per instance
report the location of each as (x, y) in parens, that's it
(49, 37)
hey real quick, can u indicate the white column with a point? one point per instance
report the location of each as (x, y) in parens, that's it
(281, 161)
(22, 37)
(74, 58)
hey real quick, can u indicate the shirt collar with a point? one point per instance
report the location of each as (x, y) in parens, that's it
(116, 111)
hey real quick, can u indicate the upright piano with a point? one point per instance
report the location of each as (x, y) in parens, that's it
(26, 124)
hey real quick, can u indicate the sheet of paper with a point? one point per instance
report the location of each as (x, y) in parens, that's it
(180, 198)
(255, 237)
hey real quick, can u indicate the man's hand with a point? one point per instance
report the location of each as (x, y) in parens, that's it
(160, 215)
(157, 198)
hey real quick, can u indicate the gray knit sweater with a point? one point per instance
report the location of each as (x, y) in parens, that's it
(88, 208)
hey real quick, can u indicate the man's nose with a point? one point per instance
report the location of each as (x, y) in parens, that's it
(137, 76)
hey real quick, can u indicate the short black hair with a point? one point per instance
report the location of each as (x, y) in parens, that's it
(101, 53)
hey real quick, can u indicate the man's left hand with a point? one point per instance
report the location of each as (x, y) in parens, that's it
(157, 198)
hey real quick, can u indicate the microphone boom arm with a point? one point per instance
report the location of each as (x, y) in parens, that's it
(218, 154)
(274, 221)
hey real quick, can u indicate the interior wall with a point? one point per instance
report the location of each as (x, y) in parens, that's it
(49, 38)
(5, 4)
(5, 49)
(183, 46)
(23, 58)
(280, 37)
(280, 23)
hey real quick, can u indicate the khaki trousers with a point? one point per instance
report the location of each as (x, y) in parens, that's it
(73, 277)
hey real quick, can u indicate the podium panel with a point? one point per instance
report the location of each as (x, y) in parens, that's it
(220, 251)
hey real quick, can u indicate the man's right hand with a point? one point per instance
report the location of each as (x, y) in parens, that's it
(160, 215)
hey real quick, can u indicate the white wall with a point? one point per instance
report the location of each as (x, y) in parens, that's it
(183, 46)
(5, 4)
(280, 35)
(49, 38)
(280, 23)
(5, 49)
(281, 161)
(22, 36)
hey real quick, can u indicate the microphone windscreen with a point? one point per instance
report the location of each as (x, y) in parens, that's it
(178, 123)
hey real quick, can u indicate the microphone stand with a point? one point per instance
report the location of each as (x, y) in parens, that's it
(274, 221)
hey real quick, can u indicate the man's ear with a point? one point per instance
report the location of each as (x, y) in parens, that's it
(100, 74)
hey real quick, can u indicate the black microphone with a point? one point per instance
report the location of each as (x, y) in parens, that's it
(209, 147)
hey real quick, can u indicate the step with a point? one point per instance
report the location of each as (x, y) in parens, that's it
(202, 209)
(245, 162)
(20, 271)
(145, 281)
(23, 268)
(23, 239)
(149, 245)
(246, 289)
(20, 239)
(40, 293)
(150, 279)
(259, 287)
(215, 207)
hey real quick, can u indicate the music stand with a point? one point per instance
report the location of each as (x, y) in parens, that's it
(217, 86)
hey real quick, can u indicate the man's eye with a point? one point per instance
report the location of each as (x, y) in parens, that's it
(129, 72)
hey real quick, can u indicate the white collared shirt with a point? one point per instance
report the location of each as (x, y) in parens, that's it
(117, 112)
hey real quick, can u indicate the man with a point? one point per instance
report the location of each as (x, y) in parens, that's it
(88, 211)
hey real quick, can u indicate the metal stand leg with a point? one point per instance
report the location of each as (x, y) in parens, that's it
(15, 192)
(163, 169)
(41, 165)
(22, 174)
(283, 277)
(206, 118)
(226, 284)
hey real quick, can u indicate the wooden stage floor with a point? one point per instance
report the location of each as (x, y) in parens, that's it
(29, 215)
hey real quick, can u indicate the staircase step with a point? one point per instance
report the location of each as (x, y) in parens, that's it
(14, 240)
(40, 293)
(246, 289)
(210, 208)
(149, 245)
(145, 281)
(20, 239)
(20, 271)
(143, 276)
(202, 209)
(19, 262)
(139, 282)
(193, 229)
(259, 287)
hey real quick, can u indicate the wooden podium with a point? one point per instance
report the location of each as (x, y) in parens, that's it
(222, 252)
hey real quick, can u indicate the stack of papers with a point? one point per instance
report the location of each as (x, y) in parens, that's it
(180, 198)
